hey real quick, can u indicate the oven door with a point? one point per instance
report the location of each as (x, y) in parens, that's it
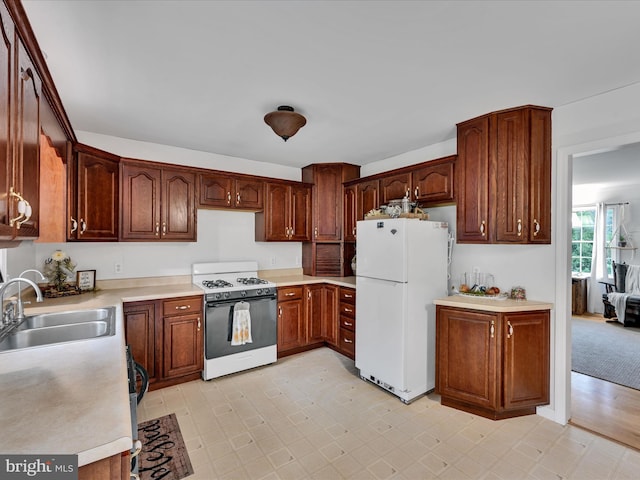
(263, 312)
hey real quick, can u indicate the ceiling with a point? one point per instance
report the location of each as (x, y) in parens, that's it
(373, 78)
(611, 168)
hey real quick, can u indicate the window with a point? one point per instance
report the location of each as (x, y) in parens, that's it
(583, 222)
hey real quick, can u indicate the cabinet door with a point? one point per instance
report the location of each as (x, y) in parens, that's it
(27, 142)
(394, 187)
(139, 331)
(466, 356)
(183, 345)
(291, 325)
(526, 359)
(330, 316)
(433, 184)
(276, 212)
(300, 213)
(216, 191)
(97, 198)
(367, 197)
(510, 168)
(314, 309)
(472, 182)
(327, 203)
(540, 177)
(140, 202)
(249, 194)
(7, 50)
(178, 205)
(350, 213)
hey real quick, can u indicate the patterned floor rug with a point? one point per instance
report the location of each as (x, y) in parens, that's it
(164, 454)
(608, 351)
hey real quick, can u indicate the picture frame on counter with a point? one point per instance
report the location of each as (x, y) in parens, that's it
(86, 280)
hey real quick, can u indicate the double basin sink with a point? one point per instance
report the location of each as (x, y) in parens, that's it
(60, 327)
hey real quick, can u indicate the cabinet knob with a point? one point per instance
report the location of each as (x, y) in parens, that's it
(157, 229)
(74, 225)
(228, 198)
(483, 228)
(83, 226)
(536, 227)
(238, 198)
(519, 227)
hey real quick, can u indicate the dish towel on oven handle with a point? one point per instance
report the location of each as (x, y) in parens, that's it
(240, 324)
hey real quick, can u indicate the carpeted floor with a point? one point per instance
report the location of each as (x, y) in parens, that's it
(607, 351)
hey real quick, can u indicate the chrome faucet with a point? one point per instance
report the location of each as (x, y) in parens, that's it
(13, 314)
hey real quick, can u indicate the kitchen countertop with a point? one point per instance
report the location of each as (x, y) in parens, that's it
(492, 305)
(73, 398)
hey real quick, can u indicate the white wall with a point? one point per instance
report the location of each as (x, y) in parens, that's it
(222, 236)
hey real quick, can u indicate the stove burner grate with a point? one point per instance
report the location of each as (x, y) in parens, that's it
(216, 284)
(251, 281)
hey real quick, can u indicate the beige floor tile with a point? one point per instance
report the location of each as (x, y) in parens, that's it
(310, 416)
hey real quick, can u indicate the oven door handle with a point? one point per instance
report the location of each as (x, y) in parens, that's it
(214, 304)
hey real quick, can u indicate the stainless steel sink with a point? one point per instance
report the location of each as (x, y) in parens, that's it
(60, 327)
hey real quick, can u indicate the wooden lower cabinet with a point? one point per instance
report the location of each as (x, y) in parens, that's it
(115, 467)
(307, 318)
(493, 364)
(167, 338)
(347, 318)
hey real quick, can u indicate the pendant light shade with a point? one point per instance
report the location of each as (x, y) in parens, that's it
(285, 122)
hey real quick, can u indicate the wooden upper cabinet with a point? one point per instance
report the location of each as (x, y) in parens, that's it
(225, 191)
(504, 161)
(350, 212)
(286, 213)
(158, 203)
(433, 183)
(27, 142)
(394, 187)
(7, 58)
(94, 185)
(367, 197)
(472, 179)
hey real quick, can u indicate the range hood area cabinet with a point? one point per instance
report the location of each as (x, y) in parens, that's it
(286, 215)
(93, 186)
(20, 98)
(158, 203)
(503, 177)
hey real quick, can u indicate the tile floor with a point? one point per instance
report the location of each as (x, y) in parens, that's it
(311, 417)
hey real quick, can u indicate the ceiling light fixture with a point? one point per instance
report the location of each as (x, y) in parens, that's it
(285, 122)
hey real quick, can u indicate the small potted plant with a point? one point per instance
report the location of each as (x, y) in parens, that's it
(622, 241)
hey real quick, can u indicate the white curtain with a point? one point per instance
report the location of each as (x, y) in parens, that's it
(598, 261)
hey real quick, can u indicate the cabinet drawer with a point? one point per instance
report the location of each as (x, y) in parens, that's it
(347, 323)
(289, 293)
(348, 341)
(348, 295)
(180, 306)
(347, 310)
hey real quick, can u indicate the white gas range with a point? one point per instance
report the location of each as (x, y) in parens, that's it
(240, 317)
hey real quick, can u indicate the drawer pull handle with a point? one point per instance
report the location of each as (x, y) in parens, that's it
(74, 225)
(199, 324)
(183, 307)
(536, 226)
(519, 227)
(346, 340)
(228, 198)
(482, 228)
(348, 310)
(348, 295)
(492, 330)
(290, 294)
(510, 330)
(348, 324)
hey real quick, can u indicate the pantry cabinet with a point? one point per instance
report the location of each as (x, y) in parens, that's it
(493, 364)
(20, 98)
(166, 337)
(228, 191)
(504, 177)
(158, 203)
(286, 215)
(93, 191)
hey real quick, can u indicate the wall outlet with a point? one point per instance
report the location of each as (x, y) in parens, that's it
(117, 267)
(297, 261)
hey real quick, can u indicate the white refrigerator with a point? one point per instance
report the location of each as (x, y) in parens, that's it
(401, 268)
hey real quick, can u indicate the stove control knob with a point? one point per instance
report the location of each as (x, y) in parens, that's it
(226, 294)
(259, 292)
(217, 296)
(243, 293)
